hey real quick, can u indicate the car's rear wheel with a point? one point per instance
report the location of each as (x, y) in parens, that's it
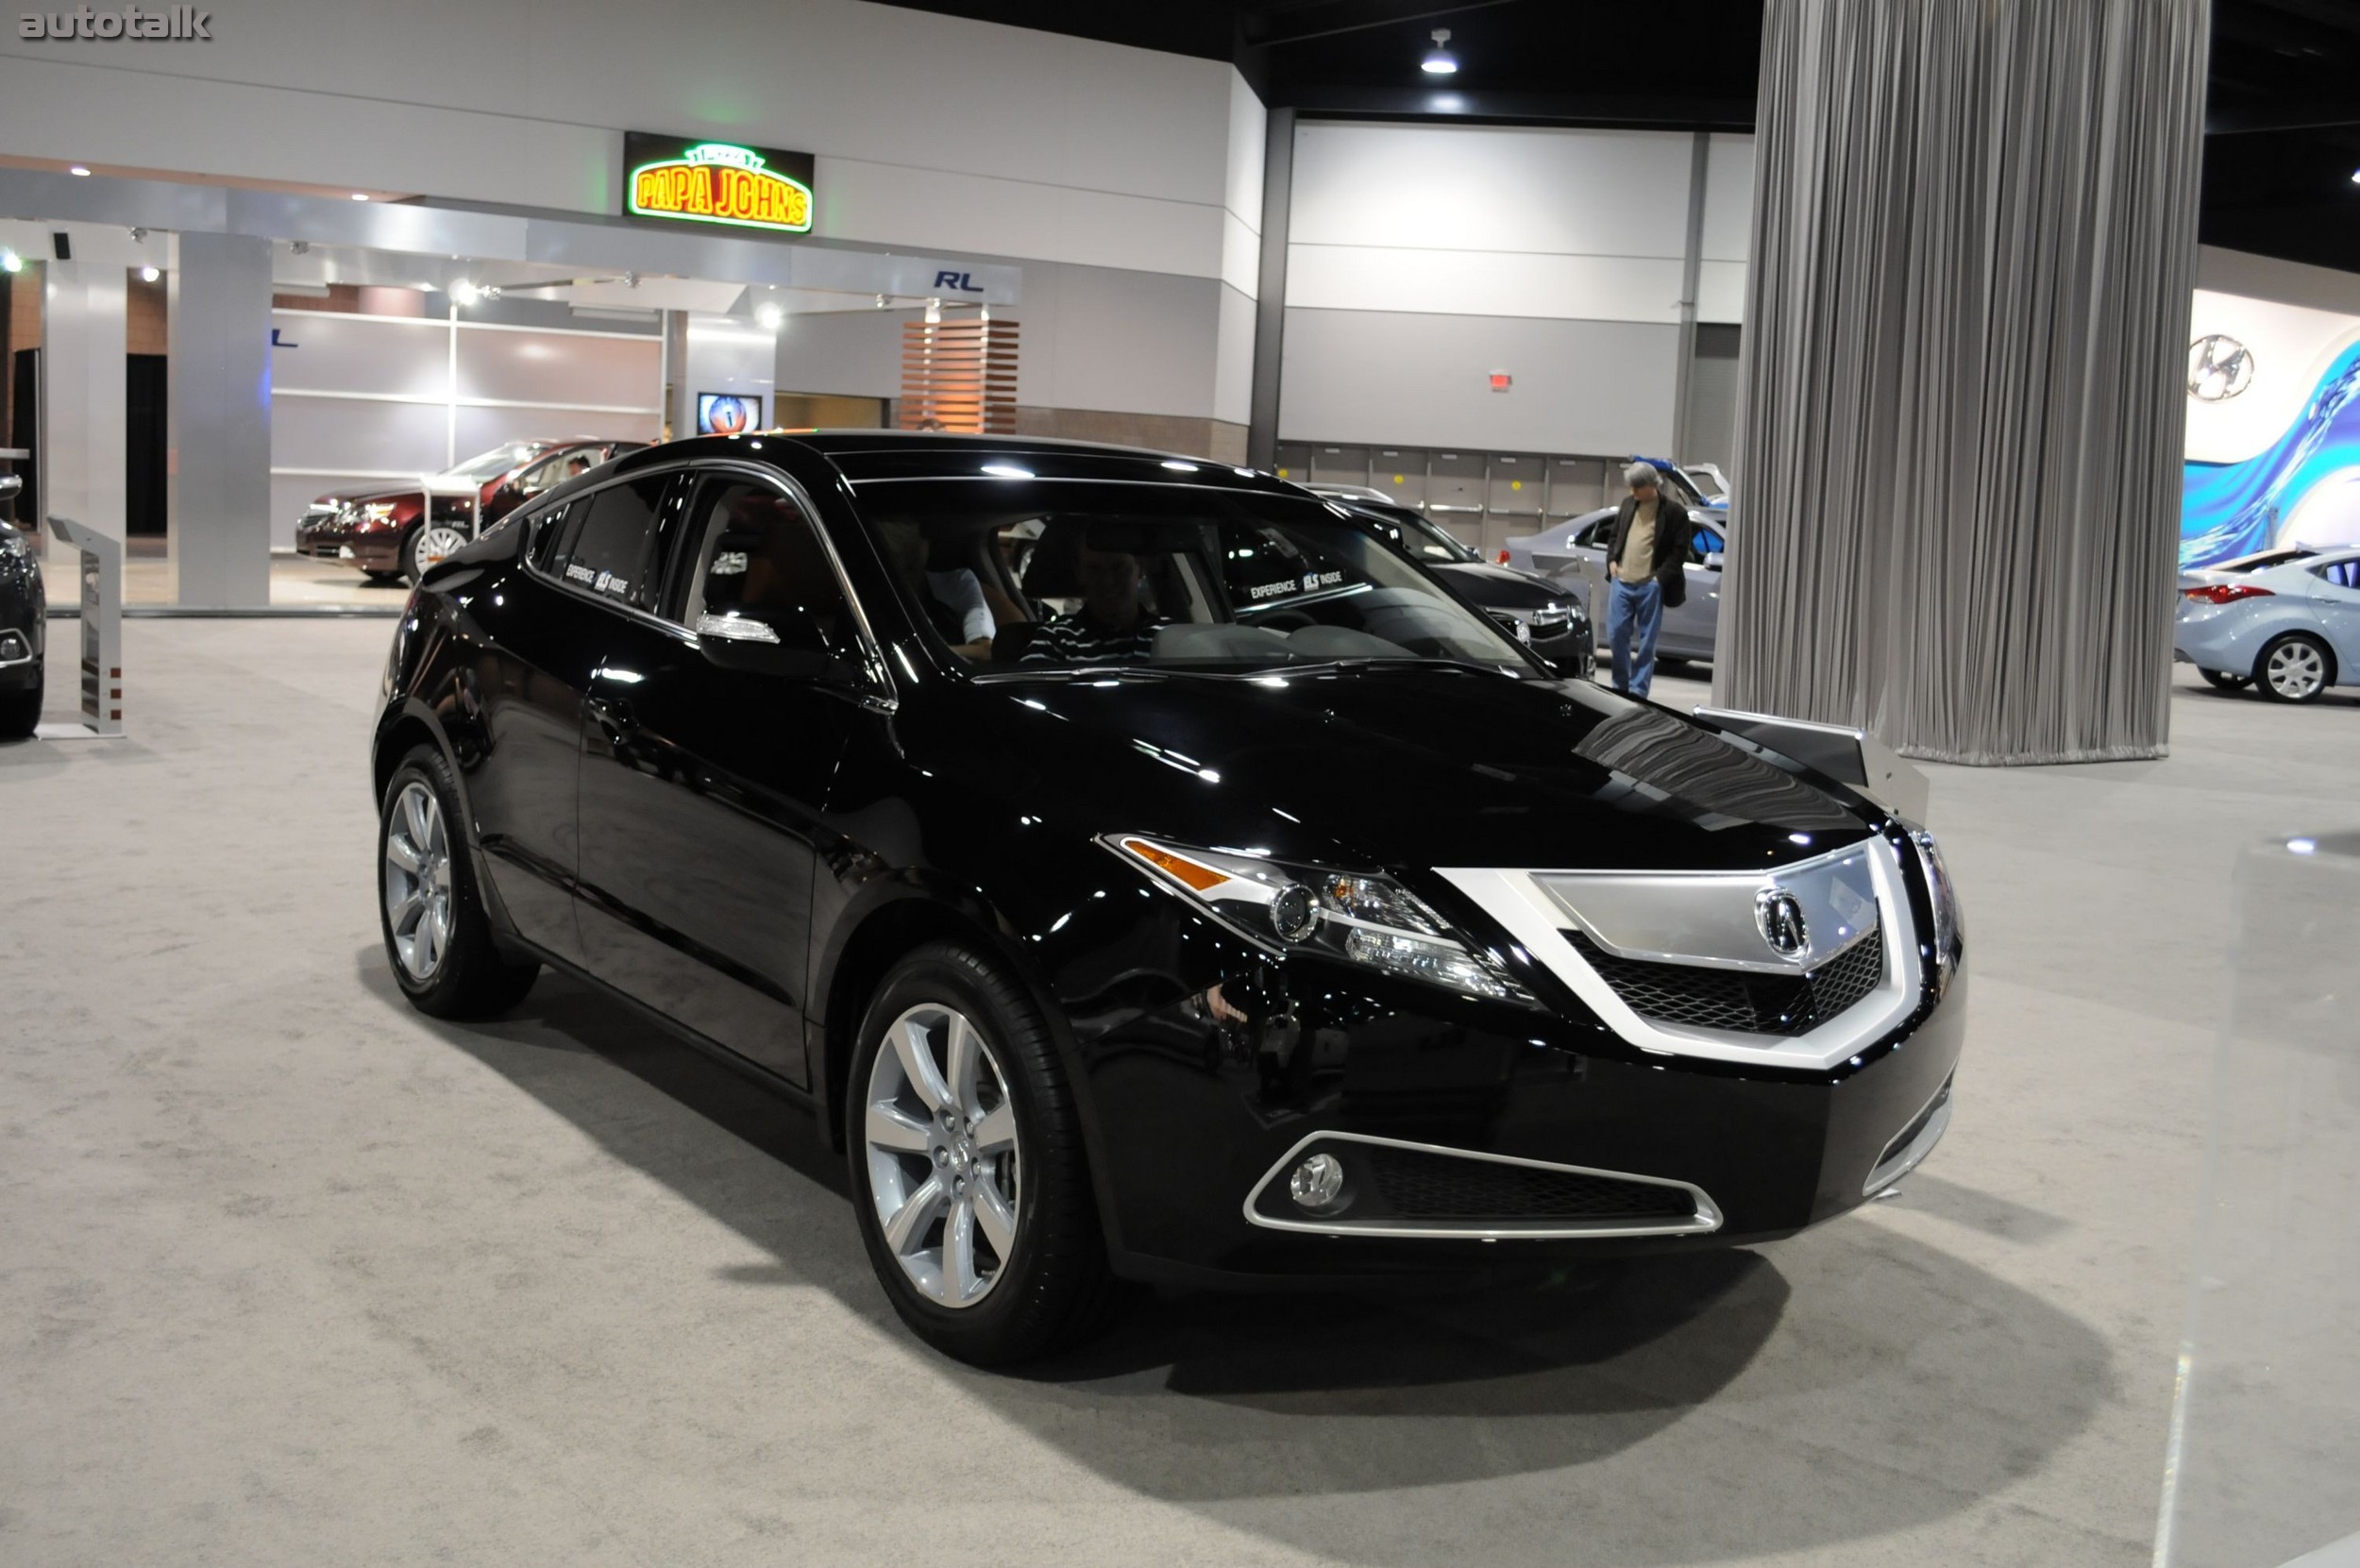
(2296, 668)
(969, 1181)
(2225, 681)
(430, 546)
(438, 937)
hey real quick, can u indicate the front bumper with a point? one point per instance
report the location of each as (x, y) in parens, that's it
(1196, 1126)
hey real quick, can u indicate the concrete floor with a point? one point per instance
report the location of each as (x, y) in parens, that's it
(290, 1274)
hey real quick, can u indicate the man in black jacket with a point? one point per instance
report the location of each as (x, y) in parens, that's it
(1643, 557)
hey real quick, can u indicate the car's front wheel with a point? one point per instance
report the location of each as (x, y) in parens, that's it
(969, 1176)
(2296, 668)
(2223, 680)
(438, 938)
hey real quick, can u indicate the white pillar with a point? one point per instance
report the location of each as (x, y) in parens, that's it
(219, 462)
(83, 393)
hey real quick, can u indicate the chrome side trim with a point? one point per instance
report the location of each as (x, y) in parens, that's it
(1915, 1153)
(1705, 1217)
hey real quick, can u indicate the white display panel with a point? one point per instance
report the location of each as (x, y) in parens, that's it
(562, 367)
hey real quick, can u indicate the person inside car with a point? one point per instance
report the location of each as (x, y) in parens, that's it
(1112, 626)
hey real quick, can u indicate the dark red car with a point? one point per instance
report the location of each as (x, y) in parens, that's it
(388, 534)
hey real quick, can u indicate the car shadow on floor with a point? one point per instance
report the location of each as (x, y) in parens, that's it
(1845, 1384)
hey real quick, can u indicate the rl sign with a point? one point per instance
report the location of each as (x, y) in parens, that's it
(698, 181)
(957, 281)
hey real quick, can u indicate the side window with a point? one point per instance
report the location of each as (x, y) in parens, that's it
(761, 572)
(551, 472)
(609, 548)
(2342, 574)
(1701, 544)
(1596, 535)
(548, 532)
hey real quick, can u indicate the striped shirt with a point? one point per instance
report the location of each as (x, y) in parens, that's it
(1082, 638)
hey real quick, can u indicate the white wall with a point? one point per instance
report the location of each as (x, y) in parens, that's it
(1422, 258)
(1099, 338)
(364, 401)
(930, 130)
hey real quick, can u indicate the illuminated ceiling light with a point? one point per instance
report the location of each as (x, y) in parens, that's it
(770, 316)
(149, 274)
(465, 293)
(360, 195)
(78, 172)
(1440, 61)
(11, 261)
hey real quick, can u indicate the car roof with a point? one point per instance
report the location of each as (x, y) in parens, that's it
(869, 455)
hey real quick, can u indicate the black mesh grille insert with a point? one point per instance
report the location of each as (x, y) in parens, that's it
(1419, 1186)
(1734, 999)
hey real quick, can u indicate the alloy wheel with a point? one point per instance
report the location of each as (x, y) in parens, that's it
(2295, 671)
(437, 544)
(943, 1160)
(417, 881)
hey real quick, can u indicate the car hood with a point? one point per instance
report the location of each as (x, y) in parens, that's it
(1502, 588)
(1392, 766)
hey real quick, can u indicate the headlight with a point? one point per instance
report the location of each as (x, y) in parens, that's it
(1949, 928)
(1360, 919)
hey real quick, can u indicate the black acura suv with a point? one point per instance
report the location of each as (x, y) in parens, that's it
(1229, 902)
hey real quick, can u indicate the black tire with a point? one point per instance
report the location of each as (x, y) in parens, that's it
(2221, 679)
(20, 711)
(468, 976)
(1054, 1288)
(384, 580)
(2294, 667)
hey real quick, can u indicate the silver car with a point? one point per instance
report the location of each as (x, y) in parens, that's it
(1572, 555)
(2289, 630)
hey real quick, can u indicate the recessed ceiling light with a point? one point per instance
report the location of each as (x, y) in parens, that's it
(149, 274)
(1439, 61)
(770, 316)
(79, 169)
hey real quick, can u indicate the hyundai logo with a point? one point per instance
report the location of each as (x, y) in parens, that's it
(2220, 367)
(1779, 915)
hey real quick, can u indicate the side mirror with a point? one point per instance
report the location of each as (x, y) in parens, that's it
(784, 643)
(1713, 560)
(11, 486)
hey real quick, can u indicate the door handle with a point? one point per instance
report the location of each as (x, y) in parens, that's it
(614, 715)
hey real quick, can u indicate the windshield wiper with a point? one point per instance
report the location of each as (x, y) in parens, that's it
(1405, 661)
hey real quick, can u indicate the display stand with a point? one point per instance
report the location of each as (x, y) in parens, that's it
(1854, 756)
(102, 634)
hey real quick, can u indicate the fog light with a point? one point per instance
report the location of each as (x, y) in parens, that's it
(1318, 1184)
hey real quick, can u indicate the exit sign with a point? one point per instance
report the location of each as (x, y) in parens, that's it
(1500, 380)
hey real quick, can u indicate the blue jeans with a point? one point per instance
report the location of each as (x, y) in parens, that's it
(1634, 613)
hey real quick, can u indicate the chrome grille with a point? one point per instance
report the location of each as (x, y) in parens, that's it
(1738, 1000)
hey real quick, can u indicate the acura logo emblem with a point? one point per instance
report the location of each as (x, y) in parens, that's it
(1779, 915)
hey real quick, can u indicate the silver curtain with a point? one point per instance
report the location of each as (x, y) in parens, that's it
(1958, 481)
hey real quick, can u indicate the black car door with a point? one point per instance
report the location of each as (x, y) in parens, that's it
(709, 741)
(532, 665)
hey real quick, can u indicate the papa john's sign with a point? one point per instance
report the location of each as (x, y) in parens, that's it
(699, 181)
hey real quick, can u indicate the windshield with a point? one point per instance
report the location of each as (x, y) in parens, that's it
(492, 465)
(1169, 575)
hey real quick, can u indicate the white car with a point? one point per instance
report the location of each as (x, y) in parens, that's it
(2289, 630)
